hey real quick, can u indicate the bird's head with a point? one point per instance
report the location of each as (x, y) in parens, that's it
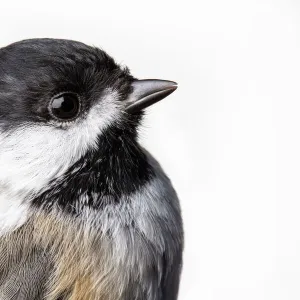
(60, 99)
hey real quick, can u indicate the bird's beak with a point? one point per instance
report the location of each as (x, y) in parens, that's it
(147, 92)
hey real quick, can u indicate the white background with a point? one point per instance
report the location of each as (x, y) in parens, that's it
(228, 137)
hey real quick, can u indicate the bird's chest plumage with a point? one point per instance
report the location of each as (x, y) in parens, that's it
(114, 253)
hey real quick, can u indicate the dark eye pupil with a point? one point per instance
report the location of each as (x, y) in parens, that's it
(65, 106)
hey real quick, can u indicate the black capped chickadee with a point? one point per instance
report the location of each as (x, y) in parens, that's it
(85, 211)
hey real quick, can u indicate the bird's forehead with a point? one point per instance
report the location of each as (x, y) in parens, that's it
(38, 51)
(33, 71)
(40, 61)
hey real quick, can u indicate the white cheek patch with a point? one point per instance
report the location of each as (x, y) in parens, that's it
(34, 154)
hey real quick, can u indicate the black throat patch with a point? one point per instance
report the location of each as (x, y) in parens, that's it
(118, 167)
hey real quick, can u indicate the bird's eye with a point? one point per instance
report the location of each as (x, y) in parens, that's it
(65, 106)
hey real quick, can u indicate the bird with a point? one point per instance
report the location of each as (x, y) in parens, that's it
(86, 212)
